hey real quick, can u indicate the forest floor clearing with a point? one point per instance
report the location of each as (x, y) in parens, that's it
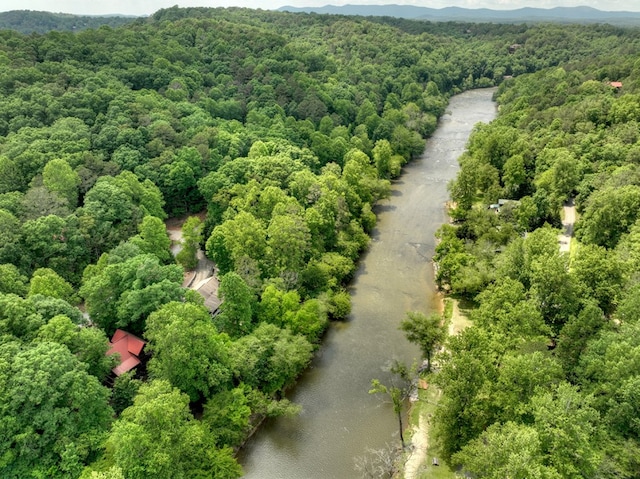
(568, 221)
(423, 459)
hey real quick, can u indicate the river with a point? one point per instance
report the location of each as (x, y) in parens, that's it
(340, 420)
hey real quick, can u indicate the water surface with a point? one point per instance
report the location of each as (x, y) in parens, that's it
(340, 420)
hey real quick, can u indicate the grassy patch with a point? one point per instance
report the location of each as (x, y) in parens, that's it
(448, 309)
(455, 313)
(574, 246)
(426, 406)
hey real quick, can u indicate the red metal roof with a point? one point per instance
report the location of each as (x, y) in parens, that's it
(616, 84)
(128, 347)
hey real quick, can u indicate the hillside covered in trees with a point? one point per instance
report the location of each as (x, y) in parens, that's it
(287, 128)
(546, 382)
(29, 21)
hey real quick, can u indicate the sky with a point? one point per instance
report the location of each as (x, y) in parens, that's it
(147, 7)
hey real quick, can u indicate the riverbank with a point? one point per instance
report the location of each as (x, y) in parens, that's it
(422, 459)
(340, 421)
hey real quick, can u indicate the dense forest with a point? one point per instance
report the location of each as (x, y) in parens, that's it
(29, 21)
(547, 381)
(287, 129)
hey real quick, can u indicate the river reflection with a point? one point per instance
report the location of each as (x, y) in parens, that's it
(340, 420)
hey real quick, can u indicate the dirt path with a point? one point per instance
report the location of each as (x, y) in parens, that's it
(420, 437)
(202, 279)
(419, 446)
(568, 220)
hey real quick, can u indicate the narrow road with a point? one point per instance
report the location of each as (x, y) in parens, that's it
(419, 445)
(569, 219)
(417, 460)
(202, 279)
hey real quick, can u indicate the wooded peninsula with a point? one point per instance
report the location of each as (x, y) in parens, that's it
(287, 129)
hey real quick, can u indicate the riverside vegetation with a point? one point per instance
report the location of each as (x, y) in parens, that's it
(288, 128)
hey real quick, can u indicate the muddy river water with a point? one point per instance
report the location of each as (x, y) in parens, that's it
(340, 420)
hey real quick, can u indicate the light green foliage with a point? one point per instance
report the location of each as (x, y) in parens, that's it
(451, 257)
(339, 305)
(599, 274)
(152, 238)
(382, 154)
(59, 178)
(362, 176)
(514, 175)
(270, 358)
(520, 377)
(537, 263)
(569, 430)
(114, 207)
(608, 214)
(288, 242)
(227, 414)
(428, 332)
(238, 303)
(242, 236)
(187, 350)
(465, 378)
(506, 311)
(290, 146)
(54, 414)
(56, 243)
(113, 472)
(89, 345)
(562, 176)
(285, 309)
(47, 282)
(19, 317)
(629, 307)
(505, 450)
(157, 436)
(191, 239)
(628, 249)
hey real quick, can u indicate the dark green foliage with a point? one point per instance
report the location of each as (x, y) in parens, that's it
(428, 332)
(191, 239)
(123, 294)
(544, 383)
(54, 414)
(125, 388)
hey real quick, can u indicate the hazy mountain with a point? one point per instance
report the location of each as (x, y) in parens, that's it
(482, 15)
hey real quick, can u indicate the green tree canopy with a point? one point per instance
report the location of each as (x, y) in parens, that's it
(187, 350)
(55, 415)
(157, 436)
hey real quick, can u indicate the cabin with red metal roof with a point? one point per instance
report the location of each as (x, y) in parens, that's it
(128, 347)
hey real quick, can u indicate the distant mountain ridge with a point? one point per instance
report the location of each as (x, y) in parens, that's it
(482, 15)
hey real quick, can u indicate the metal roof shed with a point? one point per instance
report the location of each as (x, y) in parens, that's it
(128, 347)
